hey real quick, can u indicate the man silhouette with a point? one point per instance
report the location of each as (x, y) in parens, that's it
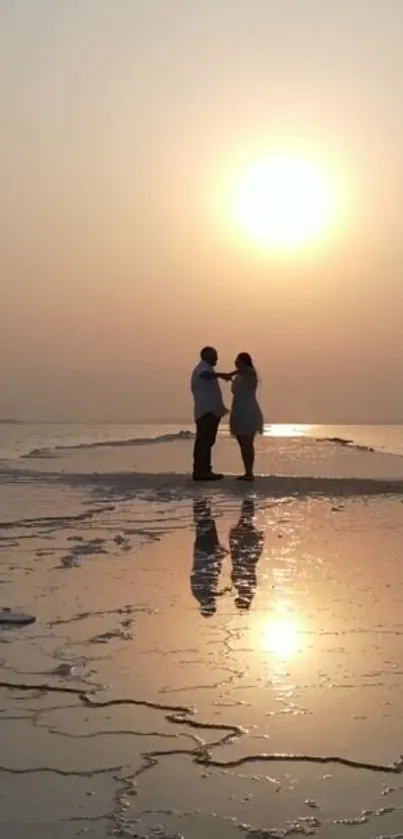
(209, 409)
(207, 559)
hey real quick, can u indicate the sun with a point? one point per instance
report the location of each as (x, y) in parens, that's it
(284, 201)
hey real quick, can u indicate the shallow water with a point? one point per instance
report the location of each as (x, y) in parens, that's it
(309, 450)
(228, 628)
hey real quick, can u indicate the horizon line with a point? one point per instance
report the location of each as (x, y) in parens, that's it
(190, 422)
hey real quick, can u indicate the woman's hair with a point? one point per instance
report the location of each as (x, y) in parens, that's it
(246, 359)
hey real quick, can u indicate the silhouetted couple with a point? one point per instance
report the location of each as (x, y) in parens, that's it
(246, 419)
(245, 547)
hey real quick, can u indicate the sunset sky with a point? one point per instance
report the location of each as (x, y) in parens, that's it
(127, 128)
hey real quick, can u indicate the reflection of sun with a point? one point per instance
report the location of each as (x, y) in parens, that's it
(281, 635)
(284, 202)
(285, 429)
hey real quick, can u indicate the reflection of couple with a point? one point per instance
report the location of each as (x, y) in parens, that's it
(246, 545)
(246, 419)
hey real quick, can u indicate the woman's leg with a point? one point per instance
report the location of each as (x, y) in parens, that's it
(247, 447)
(249, 455)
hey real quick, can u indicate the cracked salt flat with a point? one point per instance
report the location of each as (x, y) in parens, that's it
(310, 666)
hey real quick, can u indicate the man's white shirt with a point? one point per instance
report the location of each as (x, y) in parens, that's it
(206, 392)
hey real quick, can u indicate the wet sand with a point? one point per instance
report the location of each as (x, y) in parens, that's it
(229, 667)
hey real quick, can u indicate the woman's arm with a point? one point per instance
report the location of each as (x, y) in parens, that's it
(247, 371)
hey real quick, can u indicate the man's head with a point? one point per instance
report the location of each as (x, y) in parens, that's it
(209, 355)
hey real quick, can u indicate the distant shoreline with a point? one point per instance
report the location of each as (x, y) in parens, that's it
(188, 422)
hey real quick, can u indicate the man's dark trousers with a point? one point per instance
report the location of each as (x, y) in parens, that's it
(206, 433)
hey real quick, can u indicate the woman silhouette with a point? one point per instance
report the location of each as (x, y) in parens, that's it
(246, 546)
(246, 418)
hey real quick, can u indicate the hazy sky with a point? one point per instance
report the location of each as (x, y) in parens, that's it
(124, 125)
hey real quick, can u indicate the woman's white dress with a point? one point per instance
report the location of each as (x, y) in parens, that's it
(246, 416)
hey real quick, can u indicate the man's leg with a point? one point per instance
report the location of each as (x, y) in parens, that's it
(200, 458)
(206, 433)
(211, 437)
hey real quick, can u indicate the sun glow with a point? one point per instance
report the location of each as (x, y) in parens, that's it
(285, 202)
(281, 635)
(286, 429)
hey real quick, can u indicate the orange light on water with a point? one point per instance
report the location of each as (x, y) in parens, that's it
(287, 430)
(281, 634)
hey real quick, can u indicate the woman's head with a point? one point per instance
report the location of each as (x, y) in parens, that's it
(243, 360)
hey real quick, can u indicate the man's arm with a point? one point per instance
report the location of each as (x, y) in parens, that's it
(211, 374)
